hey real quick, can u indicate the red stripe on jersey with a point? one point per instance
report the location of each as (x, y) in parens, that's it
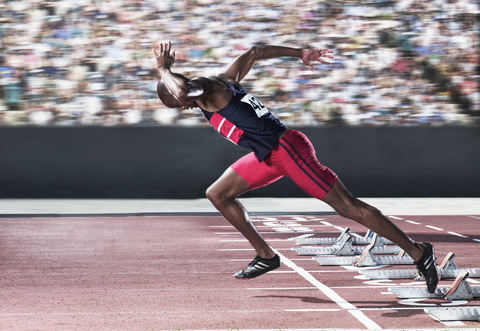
(226, 128)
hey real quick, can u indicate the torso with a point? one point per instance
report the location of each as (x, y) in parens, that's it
(241, 118)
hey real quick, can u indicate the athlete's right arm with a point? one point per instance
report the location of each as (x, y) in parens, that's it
(240, 67)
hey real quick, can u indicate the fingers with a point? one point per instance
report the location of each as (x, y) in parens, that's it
(164, 49)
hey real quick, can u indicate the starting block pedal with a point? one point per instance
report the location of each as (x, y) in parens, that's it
(454, 314)
(332, 241)
(460, 290)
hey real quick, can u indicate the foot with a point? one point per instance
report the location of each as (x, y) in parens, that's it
(258, 267)
(427, 267)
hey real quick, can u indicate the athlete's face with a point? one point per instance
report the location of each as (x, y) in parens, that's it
(183, 106)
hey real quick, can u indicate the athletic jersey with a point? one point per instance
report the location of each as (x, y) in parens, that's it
(245, 121)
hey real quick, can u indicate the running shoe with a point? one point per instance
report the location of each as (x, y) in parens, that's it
(428, 268)
(258, 267)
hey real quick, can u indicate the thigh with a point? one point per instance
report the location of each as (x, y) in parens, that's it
(229, 184)
(256, 174)
(302, 166)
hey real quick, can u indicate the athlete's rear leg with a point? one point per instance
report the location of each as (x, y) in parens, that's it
(223, 194)
(348, 206)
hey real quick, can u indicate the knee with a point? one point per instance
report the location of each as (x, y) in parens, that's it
(215, 196)
(211, 194)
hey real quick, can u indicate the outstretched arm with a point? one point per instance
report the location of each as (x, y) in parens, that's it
(240, 67)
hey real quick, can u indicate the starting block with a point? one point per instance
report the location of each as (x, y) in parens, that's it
(332, 241)
(369, 260)
(454, 314)
(345, 247)
(448, 270)
(460, 290)
(366, 259)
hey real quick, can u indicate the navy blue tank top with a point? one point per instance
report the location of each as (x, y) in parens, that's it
(245, 121)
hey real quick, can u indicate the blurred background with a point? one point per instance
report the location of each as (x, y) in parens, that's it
(89, 63)
(395, 115)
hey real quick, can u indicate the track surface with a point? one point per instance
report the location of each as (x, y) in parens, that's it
(167, 273)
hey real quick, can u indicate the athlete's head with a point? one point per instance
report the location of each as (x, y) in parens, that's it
(168, 99)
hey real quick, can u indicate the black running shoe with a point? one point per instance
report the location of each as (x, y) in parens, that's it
(428, 268)
(258, 267)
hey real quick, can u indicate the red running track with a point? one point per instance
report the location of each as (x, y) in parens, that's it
(168, 273)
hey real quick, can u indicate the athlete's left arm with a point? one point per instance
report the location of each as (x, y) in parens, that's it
(182, 89)
(240, 67)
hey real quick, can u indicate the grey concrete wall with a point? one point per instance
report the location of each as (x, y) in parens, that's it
(180, 162)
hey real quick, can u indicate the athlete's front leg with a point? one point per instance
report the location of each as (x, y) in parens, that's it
(223, 194)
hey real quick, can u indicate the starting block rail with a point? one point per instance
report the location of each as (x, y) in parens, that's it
(369, 261)
(357, 250)
(344, 247)
(454, 314)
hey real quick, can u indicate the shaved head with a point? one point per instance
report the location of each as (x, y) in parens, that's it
(164, 94)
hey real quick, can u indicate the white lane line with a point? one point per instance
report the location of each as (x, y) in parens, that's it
(433, 227)
(395, 217)
(330, 293)
(478, 218)
(412, 222)
(457, 234)
(358, 314)
(477, 240)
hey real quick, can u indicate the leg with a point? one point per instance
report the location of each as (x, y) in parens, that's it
(346, 205)
(319, 181)
(223, 194)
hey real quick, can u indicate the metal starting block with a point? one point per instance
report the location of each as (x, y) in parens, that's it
(460, 290)
(366, 259)
(344, 247)
(332, 241)
(448, 270)
(369, 260)
(454, 314)
(346, 250)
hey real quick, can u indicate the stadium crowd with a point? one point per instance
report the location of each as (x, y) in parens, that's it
(88, 62)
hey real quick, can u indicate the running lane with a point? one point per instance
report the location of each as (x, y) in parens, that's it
(147, 273)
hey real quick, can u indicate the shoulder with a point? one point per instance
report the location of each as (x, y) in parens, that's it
(225, 78)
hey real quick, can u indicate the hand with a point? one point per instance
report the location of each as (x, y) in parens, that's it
(316, 54)
(165, 60)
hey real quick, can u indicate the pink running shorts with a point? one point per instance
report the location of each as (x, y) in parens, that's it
(293, 157)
